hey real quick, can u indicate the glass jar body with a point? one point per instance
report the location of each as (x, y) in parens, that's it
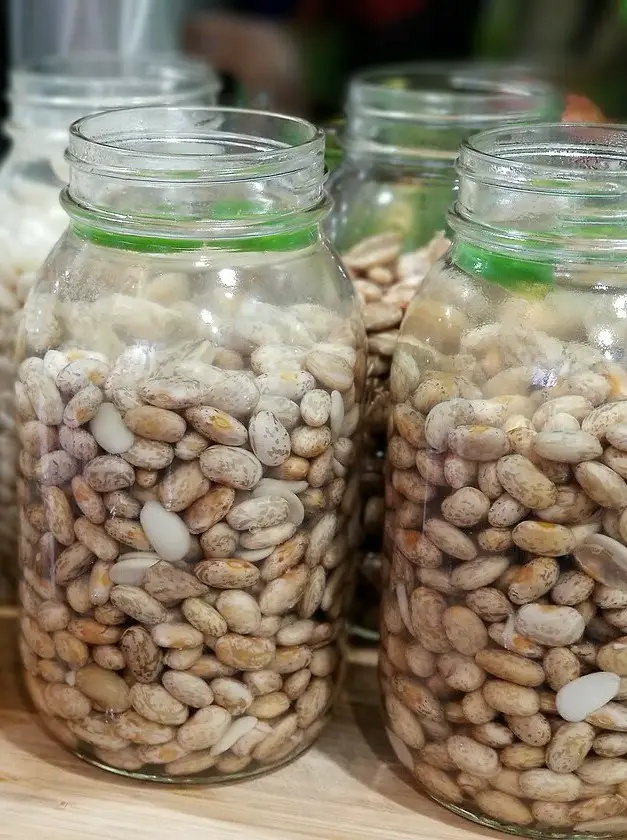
(504, 553)
(386, 222)
(187, 502)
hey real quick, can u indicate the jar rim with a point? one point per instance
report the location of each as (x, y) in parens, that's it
(165, 143)
(553, 192)
(195, 173)
(450, 94)
(549, 157)
(56, 90)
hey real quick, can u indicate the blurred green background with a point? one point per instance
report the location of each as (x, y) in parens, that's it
(582, 44)
(297, 55)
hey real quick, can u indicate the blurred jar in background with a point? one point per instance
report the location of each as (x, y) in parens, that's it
(391, 193)
(37, 28)
(46, 97)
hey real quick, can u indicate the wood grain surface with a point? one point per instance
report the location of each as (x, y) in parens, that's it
(347, 787)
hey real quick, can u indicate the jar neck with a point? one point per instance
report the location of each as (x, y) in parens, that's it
(416, 116)
(184, 178)
(298, 233)
(549, 194)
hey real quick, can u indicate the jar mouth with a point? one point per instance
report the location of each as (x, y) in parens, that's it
(550, 192)
(56, 90)
(201, 144)
(549, 158)
(195, 173)
(466, 95)
(424, 111)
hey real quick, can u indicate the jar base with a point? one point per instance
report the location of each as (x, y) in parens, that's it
(200, 778)
(520, 830)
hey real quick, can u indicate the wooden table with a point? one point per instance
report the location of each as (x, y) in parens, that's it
(348, 787)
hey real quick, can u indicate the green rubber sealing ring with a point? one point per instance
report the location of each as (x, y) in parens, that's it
(302, 235)
(292, 241)
(517, 275)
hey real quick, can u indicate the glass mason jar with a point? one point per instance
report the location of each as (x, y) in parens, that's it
(391, 193)
(46, 97)
(503, 621)
(188, 400)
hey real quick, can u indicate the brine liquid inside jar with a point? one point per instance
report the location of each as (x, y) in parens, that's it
(189, 399)
(391, 193)
(503, 622)
(45, 98)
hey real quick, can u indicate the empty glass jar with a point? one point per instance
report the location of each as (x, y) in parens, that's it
(192, 361)
(503, 628)
(45, 98)
(391, 193)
